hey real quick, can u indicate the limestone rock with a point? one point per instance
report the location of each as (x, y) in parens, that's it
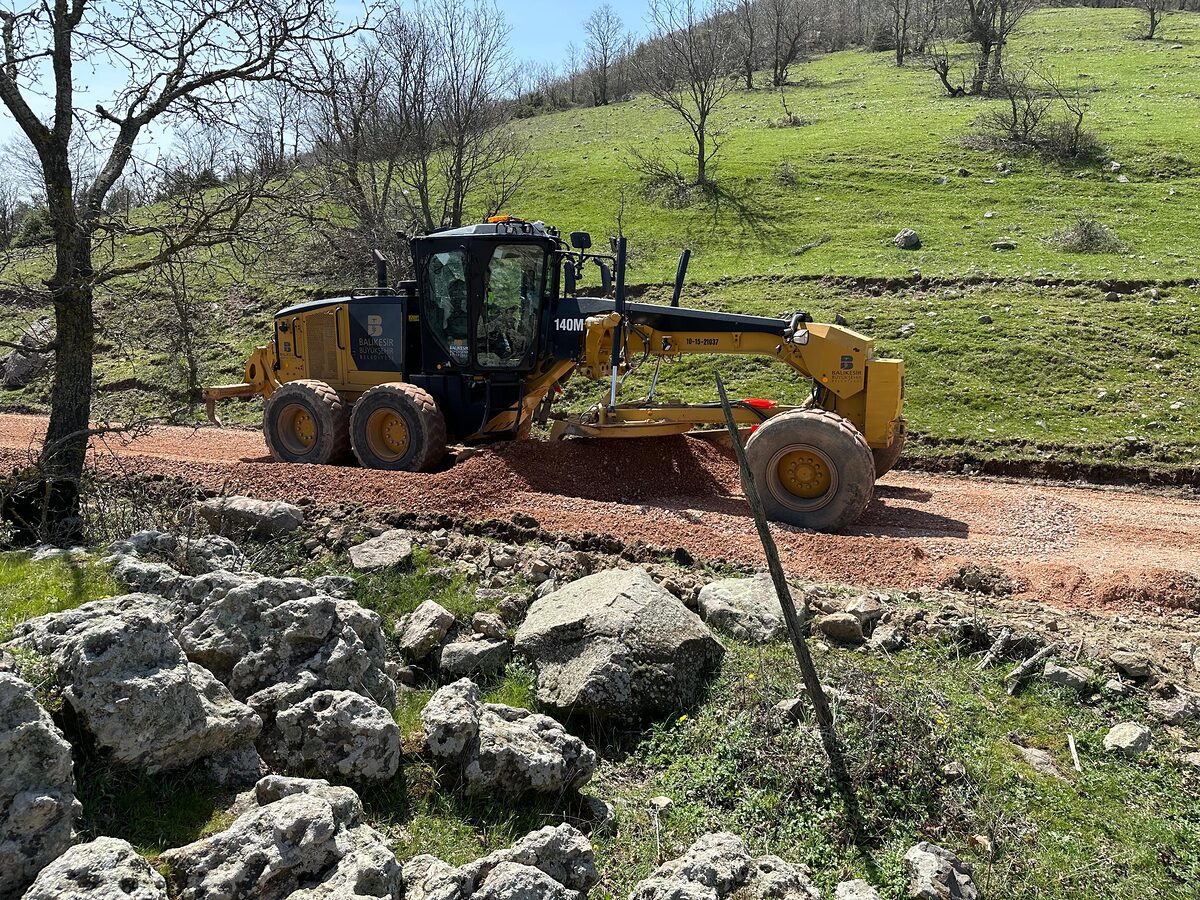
(424, 629)
(127, 679)
(1179, 709)
(1129, 738)
(304, 841)
(1132, 664)
(513, 881)
(37, 787)
(560, 853)
(841, 626)
(103, 869)
(855, 890)
(718, 866)
(617, 644)
(502, 749)
(26, 363)
(907, 239)
(489, 625)
(934, 873)
(213, 553)
(392, 548)
(484, 656)
(747, 608)
(263, 518)
(1075, 677)
(340, 734)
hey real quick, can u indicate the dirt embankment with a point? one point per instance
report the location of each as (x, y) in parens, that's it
(1066, 546)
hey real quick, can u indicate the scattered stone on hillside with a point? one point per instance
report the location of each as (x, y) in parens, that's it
(304, 840)
(127, 679)
(934, 873)
(718, 866)
(473, 656)
(907, 239)
(887, 638)
(1004, 245)
(615, 644)
(990, 580)
(339, 734)
(954, 770)
(502, 749)
(1179, 709)
(28, 362)
(1041, 761)
(1112, 296)
(1135, 665)
(747, 608)
(262, 518)
(1129, 738)
(866, 608)
(855, 890)
(37, 787)
(392, 548)
(842, 626)
(985, 319)
(103, 869)
(1117, 688)
(489, 625)
(560, 853)
(425, 628)
(1075, 677)
(144, 542)
(791, 711)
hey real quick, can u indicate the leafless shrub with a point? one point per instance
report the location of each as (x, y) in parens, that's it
(1036, 113)
(1087, 235)
(663, 180)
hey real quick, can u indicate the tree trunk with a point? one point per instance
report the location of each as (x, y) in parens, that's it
(701, 174)
(981, 70)
(996, 75)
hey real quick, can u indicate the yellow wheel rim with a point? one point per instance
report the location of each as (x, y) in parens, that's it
(297, 428)
(804, 473)
(387, 434)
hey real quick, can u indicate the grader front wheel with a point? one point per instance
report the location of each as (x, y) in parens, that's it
(812, 468)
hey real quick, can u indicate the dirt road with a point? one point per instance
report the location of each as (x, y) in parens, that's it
(1069, 546)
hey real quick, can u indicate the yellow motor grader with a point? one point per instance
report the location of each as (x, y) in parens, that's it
(476, 347)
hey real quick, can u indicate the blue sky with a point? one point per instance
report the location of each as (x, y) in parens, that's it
(539, 33)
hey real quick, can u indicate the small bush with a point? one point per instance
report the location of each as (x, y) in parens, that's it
(1087, 235)
(785, 174)
(791, 120)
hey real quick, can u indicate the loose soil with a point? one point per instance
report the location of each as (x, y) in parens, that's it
(1069, 547)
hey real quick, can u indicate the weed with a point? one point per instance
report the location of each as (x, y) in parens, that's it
(1087, 235)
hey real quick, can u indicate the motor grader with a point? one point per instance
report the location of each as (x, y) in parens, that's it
(479, 344)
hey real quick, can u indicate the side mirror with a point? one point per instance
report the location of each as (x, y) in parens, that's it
(605, 279)
(569, 281)
(581, 240)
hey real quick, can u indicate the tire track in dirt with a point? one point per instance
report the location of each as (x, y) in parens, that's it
(1072, 547)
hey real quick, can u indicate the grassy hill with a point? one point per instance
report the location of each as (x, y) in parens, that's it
(1060, 376)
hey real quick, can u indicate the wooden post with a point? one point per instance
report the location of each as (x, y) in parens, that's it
(794, 623)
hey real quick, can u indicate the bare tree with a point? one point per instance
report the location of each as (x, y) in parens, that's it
(748, 21)
(1156, 11)
(572, 73)
(605, 37)
(938, 59)
(989, 25)
(182, 59)
(785, 28)
(687, 65)
(900, 14)
(11, 195)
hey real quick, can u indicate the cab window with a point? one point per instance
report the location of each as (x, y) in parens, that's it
(506, 330)
(446, 309)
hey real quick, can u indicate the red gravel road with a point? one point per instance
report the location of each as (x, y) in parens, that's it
(1072, 546)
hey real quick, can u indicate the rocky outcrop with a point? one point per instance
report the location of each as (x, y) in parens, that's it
(616, 644)
(245, 515)
(338, 734)
(129, 683)
(718, 866)
(481, 656)
(934, 873)
(32, 359)
(37, 787)
(103, 869)
(746, 608)
(424, 629)
(499, 749)
(555, 861)
(304, 836)
(1128, 739)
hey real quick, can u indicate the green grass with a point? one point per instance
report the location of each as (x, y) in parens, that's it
(29, 589)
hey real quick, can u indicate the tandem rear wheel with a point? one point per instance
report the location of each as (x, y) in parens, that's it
(399, 427)
(306, 422)
(813, 469)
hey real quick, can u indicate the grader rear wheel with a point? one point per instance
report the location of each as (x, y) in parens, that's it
(812, 468)
(398, 426)
(305, 421)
